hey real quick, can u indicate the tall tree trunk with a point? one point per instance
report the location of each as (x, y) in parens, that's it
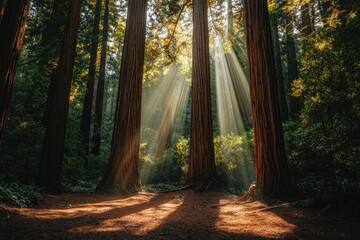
(12, 29)
(88, 101)
(2, 7)
(313, 15)
(279, 71)
(293, 73)
(271, 165)
(230, 17)
(50, 44)
(55, 125)
(100, 88)
(106, 97)
(51, 32)
(306, 29)
(112, 99)
(122, 174)
(201, 173)
(324, 6)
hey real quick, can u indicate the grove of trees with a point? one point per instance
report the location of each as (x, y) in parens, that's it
(73, 75)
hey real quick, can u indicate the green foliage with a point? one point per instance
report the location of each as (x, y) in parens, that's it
(234, 161)
(161, 187)
(170, 167)
(80, 186)
(323, 148)
(19, 195)
(321, 162)
(233, 156)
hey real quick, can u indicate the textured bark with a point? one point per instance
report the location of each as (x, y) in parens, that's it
(50, 41)
(122, 174)
(99, 105)
(279, 71)
(55, 125)
(2, 7)
(306, 28)
(50, 44)
(88, 101)
(293, 73)
(201, 173)
(12, 29)
(271, 165)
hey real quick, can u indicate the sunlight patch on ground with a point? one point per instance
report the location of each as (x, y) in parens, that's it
(138, 223)
(72, 210)
(238, 218)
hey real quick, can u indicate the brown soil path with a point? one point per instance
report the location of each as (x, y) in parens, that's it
(179, 215)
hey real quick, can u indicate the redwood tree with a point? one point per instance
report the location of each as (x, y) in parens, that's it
(278, 68)
(271, 165)
(293, 72)
(50, 43)
(306, 26)
(55, 122)
(101, 84)
(88, 101)
(2, 7)
(201, 173)
(12, 29)
(122, 174)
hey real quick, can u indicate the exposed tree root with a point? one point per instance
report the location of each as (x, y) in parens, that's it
(325, 202)
(249, 196)
(269, 208)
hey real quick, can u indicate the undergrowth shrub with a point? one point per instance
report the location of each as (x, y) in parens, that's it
(19, 195)
(233, 157)
(322, 161)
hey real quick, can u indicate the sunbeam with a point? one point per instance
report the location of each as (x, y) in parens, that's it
(163, 114)
(234, 116)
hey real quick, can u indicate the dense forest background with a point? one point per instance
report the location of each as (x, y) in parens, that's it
(317, 58)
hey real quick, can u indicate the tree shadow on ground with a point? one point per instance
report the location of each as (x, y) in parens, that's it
(73, 221)
(179, 215)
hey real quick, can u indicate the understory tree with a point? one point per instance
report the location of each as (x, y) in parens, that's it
(56, 118)
(88, 100)
(99, 104)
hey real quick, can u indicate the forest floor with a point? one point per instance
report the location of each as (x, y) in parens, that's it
(177, 215)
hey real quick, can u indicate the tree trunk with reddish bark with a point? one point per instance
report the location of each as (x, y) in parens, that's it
(122, 174)
(271, 165)
(12, 29)
(50, 44)
(293, 73)
(55, 124)
(306, 26)
(2, 7)
(88, 100)
(201, 173)
(99, 105)
(279, 72)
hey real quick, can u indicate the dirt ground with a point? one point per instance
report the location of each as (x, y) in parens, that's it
(178, 215)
